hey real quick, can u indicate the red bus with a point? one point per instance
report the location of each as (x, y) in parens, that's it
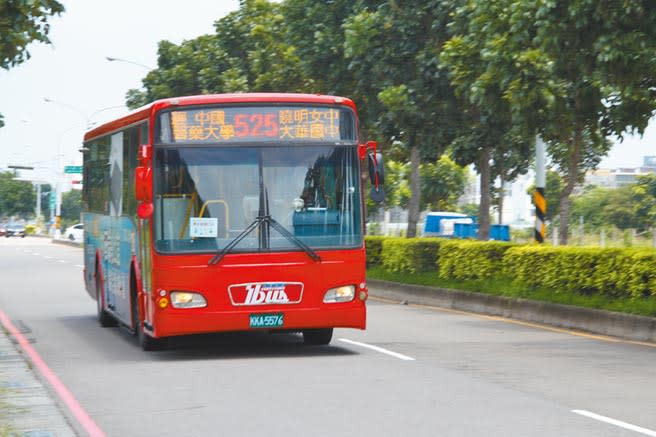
(228, 212)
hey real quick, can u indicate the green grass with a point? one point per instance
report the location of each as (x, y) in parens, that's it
(5, 409)
(642, 307)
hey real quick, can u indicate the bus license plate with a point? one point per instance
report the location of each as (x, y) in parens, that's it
(267, 320)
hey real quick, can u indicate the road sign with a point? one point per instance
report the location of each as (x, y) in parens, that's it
(53, 200)
(73, 169)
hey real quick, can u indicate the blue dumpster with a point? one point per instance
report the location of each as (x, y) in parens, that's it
(500, 232)
(465, 230)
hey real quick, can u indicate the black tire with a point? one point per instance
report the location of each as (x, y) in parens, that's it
(104, 318)
(146, 342)
(71, 237)
(317, 336)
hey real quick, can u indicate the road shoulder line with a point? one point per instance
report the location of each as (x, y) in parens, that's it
(378, 349)
(615, 422)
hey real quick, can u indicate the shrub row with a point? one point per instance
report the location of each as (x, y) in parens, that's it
(612, 272)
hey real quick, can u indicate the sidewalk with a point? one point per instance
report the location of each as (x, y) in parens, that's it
(26, 406)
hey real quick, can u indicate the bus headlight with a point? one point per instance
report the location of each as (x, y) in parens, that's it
(187, 299)
(345, 293)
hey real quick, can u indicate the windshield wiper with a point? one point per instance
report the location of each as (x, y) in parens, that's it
(266, 219)
(293, 238)
(219, 256)
(263, 221)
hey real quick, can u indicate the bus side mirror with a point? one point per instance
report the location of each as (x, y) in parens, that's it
(376, 176)
(143, 190)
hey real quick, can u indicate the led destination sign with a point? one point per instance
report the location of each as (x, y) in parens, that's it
(256, 124)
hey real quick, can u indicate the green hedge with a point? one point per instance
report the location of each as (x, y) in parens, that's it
(374, 247)
(613, 272)
(410, 255)
(583, 270)
(469, 259)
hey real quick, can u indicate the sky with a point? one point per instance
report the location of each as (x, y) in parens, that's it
(82, 84)
(85, 88)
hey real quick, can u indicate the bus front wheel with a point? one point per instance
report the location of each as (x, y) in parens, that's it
(317, 336)
(146, 342)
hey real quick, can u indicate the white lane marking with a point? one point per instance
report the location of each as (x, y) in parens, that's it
(61, 261)
(80, 266)
(47, 257)
(378, 349)
(616, 422)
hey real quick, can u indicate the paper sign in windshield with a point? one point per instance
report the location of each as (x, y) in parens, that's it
(203, 227)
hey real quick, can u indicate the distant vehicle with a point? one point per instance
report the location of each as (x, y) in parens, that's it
(442, 224)
(75, 232)
(3, 230)
(15, 230)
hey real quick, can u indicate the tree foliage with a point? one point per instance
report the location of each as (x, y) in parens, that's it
(247, 52)
(71, 207)
(442, 184)
(644, 195)
(23, 22)
(574, 72)
(17, 198)
(477, 78)
(393, 52)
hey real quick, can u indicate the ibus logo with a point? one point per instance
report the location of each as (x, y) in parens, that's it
(266, 293)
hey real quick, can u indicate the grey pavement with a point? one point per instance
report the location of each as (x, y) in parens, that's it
(470, 376)
(27, 408)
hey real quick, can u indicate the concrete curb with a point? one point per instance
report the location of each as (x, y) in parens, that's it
(637, 328)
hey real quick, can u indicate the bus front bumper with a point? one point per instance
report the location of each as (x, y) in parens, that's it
(174, 322)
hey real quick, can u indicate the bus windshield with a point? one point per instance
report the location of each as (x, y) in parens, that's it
(206, 197)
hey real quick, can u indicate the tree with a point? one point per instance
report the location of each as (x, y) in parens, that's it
(490, 140)
(442, 184)
(601, 207)
(71, 207)
(16, 197)
(644, 194)
(393, 52)
(248, 52)
(574, 72)
(21, 23)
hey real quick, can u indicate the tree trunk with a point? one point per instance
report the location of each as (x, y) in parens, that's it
(413, 204)
(572, 177)
(484, 208)
(501, 194)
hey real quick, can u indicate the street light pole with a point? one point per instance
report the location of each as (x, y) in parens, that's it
(112, 59)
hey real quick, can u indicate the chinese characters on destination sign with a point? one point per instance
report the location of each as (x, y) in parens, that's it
(255, 124)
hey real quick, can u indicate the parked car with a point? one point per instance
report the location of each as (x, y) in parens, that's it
(15, 230)
(3, 230)
(75, 232)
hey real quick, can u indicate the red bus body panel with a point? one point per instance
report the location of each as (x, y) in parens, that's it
(192, 273)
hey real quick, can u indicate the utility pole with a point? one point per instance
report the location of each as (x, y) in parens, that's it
(539, 195)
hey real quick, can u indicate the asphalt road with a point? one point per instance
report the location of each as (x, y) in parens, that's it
(431, 372)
